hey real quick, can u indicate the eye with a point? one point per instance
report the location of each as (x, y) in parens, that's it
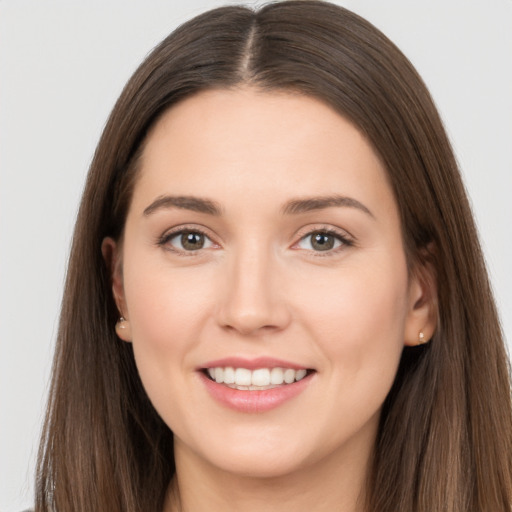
(188, 241)
(322, 241)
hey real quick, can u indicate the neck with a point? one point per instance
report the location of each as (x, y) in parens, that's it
(324, 486)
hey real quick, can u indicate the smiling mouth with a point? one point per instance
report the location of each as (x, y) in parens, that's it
(255, 380)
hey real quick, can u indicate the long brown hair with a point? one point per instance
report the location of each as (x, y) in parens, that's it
(445, 439)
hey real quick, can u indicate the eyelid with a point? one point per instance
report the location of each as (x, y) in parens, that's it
(171, 233)
(346, 239)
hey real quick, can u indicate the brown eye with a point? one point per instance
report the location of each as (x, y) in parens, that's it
(192, 241)
(188, 241)
(322, 241)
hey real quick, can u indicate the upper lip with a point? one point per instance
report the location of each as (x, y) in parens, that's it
(252, 364)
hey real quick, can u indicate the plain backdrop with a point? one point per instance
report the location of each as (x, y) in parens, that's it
(63, 64)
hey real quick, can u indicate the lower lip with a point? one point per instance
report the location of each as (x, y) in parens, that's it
(254, 401)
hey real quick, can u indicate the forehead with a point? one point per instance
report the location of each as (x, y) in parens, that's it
(238, 142)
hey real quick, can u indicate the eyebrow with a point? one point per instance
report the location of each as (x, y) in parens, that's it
(293, 207)
(297, 206)
(195, 204)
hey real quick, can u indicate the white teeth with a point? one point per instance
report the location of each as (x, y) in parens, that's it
(219, 374)
(300, 374)
(261, 377)
(242, 378)
(276, 376)
(229, 375)
(289, 375)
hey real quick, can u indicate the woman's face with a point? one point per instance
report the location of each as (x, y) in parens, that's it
(263, 250)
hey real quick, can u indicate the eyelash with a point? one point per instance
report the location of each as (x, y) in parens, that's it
(344, 239)
(164, 240)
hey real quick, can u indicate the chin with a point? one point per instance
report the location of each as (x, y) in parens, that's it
(258, 460)
(261, 467)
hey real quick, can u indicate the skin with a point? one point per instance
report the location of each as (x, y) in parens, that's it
(260, 288)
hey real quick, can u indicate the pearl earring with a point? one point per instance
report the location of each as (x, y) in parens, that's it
(121, 323)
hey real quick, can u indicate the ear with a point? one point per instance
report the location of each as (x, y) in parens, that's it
(422, 315)
(111, 251)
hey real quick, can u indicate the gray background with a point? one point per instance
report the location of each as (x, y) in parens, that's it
(63, 64)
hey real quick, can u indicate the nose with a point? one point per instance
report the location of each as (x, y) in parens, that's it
(253, 298)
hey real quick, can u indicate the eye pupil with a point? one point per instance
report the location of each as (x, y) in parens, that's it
(192, 241)
(322, 241)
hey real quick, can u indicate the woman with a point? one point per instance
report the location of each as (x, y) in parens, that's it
(276, 296)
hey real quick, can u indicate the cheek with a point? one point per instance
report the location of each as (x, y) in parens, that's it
(163, 300)
(357, 321)
(165, 311)
(358, 315)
